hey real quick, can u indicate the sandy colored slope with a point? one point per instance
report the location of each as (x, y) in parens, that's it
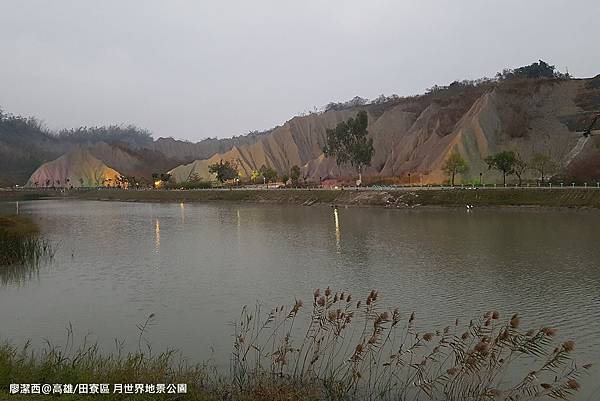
(77, 168)
(204, 149)
(416, 135)
(295, 143)
(195, 170)
(116, 158)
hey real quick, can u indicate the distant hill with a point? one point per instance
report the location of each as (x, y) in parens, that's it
(415, 135)
(532, 109)
(76, 168)
(25, 145)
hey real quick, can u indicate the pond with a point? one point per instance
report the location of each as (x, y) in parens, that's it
(195, 265)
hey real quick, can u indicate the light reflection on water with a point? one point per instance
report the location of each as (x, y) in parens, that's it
(338, 245)
(157, 236)
(195, 265)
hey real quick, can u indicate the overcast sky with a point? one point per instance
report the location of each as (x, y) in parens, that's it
(194, 69)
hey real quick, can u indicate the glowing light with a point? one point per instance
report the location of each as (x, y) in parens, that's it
(338, 244)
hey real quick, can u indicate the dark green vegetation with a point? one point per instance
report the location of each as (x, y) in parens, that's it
(130, 135)
(340, 349)
(17, 134)
(504, 162)
(87, 365)
(19, 243)
(265, 175)
(269, 174)
(510, 162)
(543, 164)
(164, 177)
(295, 174)
(224, 171)
(349, 143)
(454, 165)
(538, 70)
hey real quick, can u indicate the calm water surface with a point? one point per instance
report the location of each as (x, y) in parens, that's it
(195, 265)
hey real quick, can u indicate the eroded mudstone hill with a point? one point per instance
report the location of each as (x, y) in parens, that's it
(411, 136)
(416, 135)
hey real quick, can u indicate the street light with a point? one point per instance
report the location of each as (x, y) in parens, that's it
(480, 178)
(409, 179)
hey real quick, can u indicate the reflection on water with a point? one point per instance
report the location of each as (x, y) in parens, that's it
(34, 251)
(214, 258)
(18, 274)
(157, 236)
(338, 245)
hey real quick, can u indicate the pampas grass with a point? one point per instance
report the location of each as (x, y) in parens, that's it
(359, 350)
(336, 349)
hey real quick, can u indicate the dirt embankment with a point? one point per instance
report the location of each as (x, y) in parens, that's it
(396, 198)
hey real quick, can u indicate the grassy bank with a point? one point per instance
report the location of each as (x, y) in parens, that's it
(256, 196)
(391, 198)
(19, 243)
(567, 197)
(337, 349)
(394, 198)
(21, 195)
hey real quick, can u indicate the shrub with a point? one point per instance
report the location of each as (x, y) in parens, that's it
(358, 350)
(19, 243)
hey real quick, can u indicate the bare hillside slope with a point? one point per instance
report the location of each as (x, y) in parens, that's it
(416, 135)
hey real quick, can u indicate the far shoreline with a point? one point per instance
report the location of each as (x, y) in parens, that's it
(390, 198)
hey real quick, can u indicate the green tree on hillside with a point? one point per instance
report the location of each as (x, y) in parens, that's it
(162, 178)
(541, 69)
(520, 166)
(295, 174)
(223, 170)
(348, 142)
(255, 176)
(455, 164)
(543, 164)
(268, 173)
(503, 161)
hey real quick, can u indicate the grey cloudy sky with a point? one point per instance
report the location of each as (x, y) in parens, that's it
(193, 69)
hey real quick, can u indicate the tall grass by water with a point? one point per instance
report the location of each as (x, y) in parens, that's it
(338, 349)
(20, 243)
(358, 350)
